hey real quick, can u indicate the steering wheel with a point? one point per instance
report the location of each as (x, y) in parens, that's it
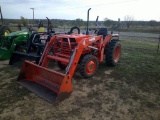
(73, 28)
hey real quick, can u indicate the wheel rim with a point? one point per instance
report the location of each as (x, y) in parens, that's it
(6, 32)
(117, 53)
(23, 50)
(90, 67)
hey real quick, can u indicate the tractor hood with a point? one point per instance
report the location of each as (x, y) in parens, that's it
(22, 32)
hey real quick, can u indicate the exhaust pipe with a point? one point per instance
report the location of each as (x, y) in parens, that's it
(97, 22)
(1, 15)
(49, 22)
(88, 21)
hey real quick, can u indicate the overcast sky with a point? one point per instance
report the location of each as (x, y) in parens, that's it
(73, 9)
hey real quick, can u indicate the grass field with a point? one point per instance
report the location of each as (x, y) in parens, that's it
(129, 91)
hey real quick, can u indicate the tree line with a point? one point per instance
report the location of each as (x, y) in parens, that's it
(127, 23)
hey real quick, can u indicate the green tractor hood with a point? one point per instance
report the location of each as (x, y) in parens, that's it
(22, 32)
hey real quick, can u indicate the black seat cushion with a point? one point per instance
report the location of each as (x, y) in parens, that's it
(103, 31)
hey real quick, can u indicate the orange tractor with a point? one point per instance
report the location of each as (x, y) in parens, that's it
(69, 51)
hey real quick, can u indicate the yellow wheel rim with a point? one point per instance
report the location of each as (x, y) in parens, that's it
(6, 32)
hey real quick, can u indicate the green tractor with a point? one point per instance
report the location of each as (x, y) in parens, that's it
(18, 42)
(13, 42)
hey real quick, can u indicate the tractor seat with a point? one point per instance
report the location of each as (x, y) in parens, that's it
(103, 31)
(41, 29)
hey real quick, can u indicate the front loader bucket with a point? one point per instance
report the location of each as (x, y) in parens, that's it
(17, 58)
(48, 84)
(5, 54)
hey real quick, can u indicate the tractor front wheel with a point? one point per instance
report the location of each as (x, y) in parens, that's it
(88, 66)
(113, 52)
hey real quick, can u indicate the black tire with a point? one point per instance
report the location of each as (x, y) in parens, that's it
(88, 66)
(61, 66)
(113, 52)
(4, 30)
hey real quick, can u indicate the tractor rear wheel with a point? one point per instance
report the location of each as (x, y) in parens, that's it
(4, 30)
(88, 66)
(113, 52)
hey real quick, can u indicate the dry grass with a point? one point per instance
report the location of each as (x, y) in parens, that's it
(129, 91)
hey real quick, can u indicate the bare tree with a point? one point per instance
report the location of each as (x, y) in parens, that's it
(128, 20)
(24, 21)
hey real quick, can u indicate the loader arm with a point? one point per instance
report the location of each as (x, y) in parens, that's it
(74, 59)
